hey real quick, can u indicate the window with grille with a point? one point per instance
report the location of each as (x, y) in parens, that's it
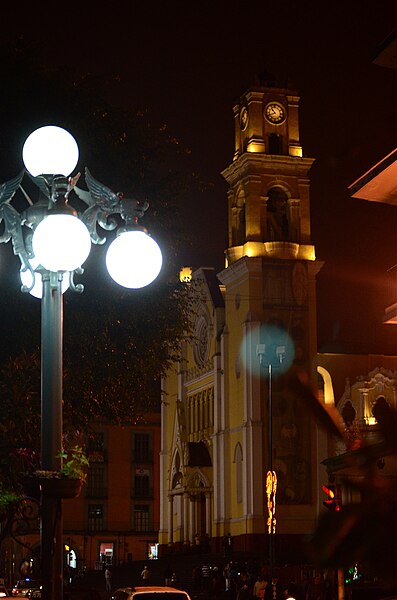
(142, 447)
(95, 517)
(142, 486)
(96, 447)
(96, 442)
(96, 484)
(201, 411)
(141, 517)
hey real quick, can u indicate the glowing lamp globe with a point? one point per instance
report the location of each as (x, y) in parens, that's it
(37, 289)
(134, 259)
(61, 242)
(50, 150)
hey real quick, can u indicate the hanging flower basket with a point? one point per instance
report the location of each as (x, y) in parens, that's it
(67, 481)
(61, 487)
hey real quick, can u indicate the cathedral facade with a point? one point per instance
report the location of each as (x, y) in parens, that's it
(240, 454)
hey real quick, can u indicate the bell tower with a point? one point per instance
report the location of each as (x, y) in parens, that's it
(268, 199)
(270, 310)
(230, 417)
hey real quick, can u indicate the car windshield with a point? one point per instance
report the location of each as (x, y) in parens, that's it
(159, 595)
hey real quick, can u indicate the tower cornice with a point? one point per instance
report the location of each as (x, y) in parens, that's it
(240, 270)
(252, 163)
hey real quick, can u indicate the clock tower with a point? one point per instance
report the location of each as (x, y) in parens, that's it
(229, 415)
(269, 206)
(270, 306)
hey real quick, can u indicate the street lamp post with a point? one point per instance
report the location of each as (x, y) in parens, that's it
(271, 356)
(52, 241)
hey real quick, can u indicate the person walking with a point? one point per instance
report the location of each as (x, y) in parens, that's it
(145, 575)
(227, 544)
(196, 577)
(260, 586)
(197, 542)
(108, 579)
(315, 590)
(274, 590)
(168, 575)
(205, 577)
(243, 590)
(217, 584)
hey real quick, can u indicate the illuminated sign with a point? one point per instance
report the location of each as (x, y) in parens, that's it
(271, 489)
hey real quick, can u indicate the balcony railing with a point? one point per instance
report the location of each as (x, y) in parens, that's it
(97, 456)
(147, 494)
(100, 493)
(142, 457)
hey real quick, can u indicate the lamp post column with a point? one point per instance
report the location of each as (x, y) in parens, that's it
(272, 356)
(60, 243)
(51, 432)
(270, 462)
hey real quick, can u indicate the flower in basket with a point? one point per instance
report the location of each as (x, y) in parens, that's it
(74, 465)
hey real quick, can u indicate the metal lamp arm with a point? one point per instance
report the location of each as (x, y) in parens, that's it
(103, 204)
(12, 220)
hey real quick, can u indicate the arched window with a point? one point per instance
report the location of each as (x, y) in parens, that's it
(277, 215)
(328, 389)
(238, 220)
(176, 480)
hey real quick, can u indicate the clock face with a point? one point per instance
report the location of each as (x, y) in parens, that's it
(275, 113)
(243, 118)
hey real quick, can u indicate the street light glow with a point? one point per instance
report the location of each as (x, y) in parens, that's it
(37, 289)
(61, 242)
(134, 259)
(50, 150)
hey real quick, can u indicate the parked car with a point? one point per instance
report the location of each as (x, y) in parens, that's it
(4, 592)
(79, 593)
(34, 593)
(70, 593)
(150, 592)
(25, 586)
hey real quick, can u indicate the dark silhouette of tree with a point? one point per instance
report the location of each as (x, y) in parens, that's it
(362, 532)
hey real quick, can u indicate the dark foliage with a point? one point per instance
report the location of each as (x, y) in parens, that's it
(363, 532)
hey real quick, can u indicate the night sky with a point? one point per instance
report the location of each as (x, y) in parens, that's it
(187, 63)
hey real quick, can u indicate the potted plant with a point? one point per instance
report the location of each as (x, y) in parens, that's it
(74, 463)
(68, 480)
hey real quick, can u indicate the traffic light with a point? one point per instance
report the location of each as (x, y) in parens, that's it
(331, 502)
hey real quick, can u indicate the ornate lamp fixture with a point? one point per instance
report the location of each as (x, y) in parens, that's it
(52, 241)
(60, 239)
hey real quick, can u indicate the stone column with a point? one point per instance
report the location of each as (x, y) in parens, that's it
(208, 513)
(186, 541)
(192, 519)
(171, 521)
